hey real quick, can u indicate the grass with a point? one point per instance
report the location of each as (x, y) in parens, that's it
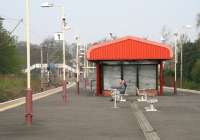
(14, 86)
(191, 85)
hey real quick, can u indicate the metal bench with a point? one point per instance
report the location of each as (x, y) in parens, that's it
(117, 97)
(143, 95)
(120, 96)
(151, 93)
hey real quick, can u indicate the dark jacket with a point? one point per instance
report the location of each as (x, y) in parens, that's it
(123, 88)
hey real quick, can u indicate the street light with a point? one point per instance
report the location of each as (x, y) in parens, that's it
(41, 69)
(77, 64)
(181, 69)
(175, 62)
(28, 106)
(46, 5)
(28, 113)
(162, 39)
(84, 64)
(181, 51)
(49, 5)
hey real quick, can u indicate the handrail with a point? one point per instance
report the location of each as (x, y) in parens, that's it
(34, 66)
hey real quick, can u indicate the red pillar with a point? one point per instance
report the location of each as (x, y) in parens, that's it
(65, 91)
(29, 107)
(97, 79)
(78, 87)
(161, 78)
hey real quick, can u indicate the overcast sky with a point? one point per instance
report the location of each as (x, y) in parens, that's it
(94, 19)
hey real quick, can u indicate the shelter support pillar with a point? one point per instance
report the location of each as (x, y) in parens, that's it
(161, 79)
(157, 77)
(98, 82)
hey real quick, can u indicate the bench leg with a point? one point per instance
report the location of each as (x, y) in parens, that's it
(142, 99)
(115, 100)
(145, 97)
(121, 99)
(151, 108)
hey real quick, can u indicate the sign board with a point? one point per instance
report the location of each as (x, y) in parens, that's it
(58, 36)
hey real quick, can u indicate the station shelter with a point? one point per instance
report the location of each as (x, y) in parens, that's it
(138, 61)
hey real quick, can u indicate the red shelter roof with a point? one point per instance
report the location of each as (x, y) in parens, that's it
(129, 48)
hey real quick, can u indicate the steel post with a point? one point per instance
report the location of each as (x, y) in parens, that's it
(175, 62)
(77, 65)
(28, 106)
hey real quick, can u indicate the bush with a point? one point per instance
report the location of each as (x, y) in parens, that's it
(14, 86)
(191, 85)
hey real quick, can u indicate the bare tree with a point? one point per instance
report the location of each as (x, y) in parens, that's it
(198, 21)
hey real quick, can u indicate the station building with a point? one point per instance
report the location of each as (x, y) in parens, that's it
(138, 61)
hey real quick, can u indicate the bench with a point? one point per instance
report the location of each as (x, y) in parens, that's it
(119, 97)
(151, 93)
(143, 95)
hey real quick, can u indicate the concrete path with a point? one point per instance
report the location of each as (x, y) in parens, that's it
(178, 117)
(84, 117)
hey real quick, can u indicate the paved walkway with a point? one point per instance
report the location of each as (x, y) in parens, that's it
(84, 117)
(178, 117)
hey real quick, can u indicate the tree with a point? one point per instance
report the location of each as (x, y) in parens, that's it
(190, 54)
(34, 55)
(191, 63)
(53, 52)
(198, 20)
(195, 73)
(10, 62)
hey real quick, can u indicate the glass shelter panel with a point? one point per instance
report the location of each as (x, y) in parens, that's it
(147, 76)
(112, 75)
(129, 74)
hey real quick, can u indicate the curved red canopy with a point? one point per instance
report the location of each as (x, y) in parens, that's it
(129, 48)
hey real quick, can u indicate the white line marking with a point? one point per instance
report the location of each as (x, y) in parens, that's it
(144, 124)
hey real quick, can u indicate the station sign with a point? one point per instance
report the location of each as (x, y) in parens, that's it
(58, 36)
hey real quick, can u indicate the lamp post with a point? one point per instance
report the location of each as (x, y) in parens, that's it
(28, 109)
(47, 5)
(84, 61)
(77, 65)
(175, 57)
(64, 62)
(175, 62)
(84, 64)
(86, 72)
(181, 51)
(83, 56)
(41, 70)
(181, 68)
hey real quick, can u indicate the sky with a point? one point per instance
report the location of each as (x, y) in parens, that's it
(93, 20)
